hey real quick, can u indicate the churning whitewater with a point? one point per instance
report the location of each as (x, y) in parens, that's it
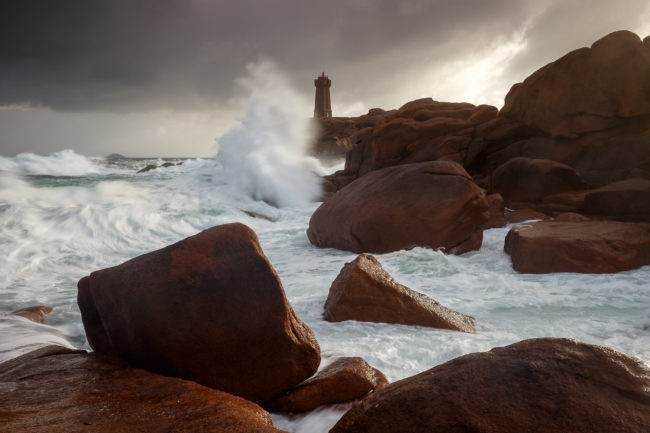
(64, 215)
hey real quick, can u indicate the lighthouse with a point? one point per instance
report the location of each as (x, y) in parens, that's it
(322, 104)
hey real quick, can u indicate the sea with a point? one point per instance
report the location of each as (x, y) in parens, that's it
(64, 215)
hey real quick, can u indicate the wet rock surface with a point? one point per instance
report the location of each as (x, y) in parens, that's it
(209, 308)
(54, 389)
(344, 380)
(364, 291)
(543, 385)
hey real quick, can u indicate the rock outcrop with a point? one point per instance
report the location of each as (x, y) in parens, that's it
(335, 136)
(36, 313)
(583, 246)
(421, 130)
(588, 111)
(55, 389)
(344, 380)
(209, 308)
(431, 204)
(364, 291)
(587, 90)
(541, 385)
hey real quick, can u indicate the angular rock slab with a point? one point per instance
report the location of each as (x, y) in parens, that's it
(543, 385)
(344, 380)
(596, 247)
(431, 204)
(209, 308)
(54, 389)
(364, 291)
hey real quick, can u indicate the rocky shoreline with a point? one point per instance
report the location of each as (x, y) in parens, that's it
(199, 336)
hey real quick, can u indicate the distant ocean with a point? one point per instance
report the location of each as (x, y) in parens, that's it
(64, 215)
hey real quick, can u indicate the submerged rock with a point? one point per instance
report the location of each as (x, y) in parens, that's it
(36, 313)
(583, 246)
(154, 167)
(545, 385)
(344, 380)
(147, 168)
(55, 389)
(209, 308)
(364, 291)
(431, 204)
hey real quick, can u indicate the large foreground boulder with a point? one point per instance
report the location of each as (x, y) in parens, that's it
(342, 381)
(55, 389)
(541, 385)
(584, 246)
(364, 291)
(431, 204)
(209, 308)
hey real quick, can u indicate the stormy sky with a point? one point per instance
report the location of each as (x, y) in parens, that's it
(159, 77)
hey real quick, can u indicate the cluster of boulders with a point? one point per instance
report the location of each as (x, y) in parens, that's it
(571, 143)
(199, 336)
(195, 336)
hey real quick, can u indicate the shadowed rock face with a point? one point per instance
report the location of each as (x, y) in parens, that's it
(584, 246)
(429, 204)
(530, 180)
(542, 385)
(209, 308)
(627, 200)
(496, 209)
(364, 291)
(60, 390)
(344, 380)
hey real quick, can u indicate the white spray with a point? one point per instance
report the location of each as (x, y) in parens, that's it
(265, 154)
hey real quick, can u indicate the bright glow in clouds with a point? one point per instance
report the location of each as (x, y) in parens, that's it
(265, 154)
(477, 78)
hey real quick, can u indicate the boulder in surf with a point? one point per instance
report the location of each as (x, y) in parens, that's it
(209, 308)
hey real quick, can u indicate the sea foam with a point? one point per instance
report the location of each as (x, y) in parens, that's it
(265, 154)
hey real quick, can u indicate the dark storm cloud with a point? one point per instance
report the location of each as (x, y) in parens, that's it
(125, 55)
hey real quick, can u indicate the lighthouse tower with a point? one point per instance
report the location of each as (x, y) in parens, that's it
(322, 104)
